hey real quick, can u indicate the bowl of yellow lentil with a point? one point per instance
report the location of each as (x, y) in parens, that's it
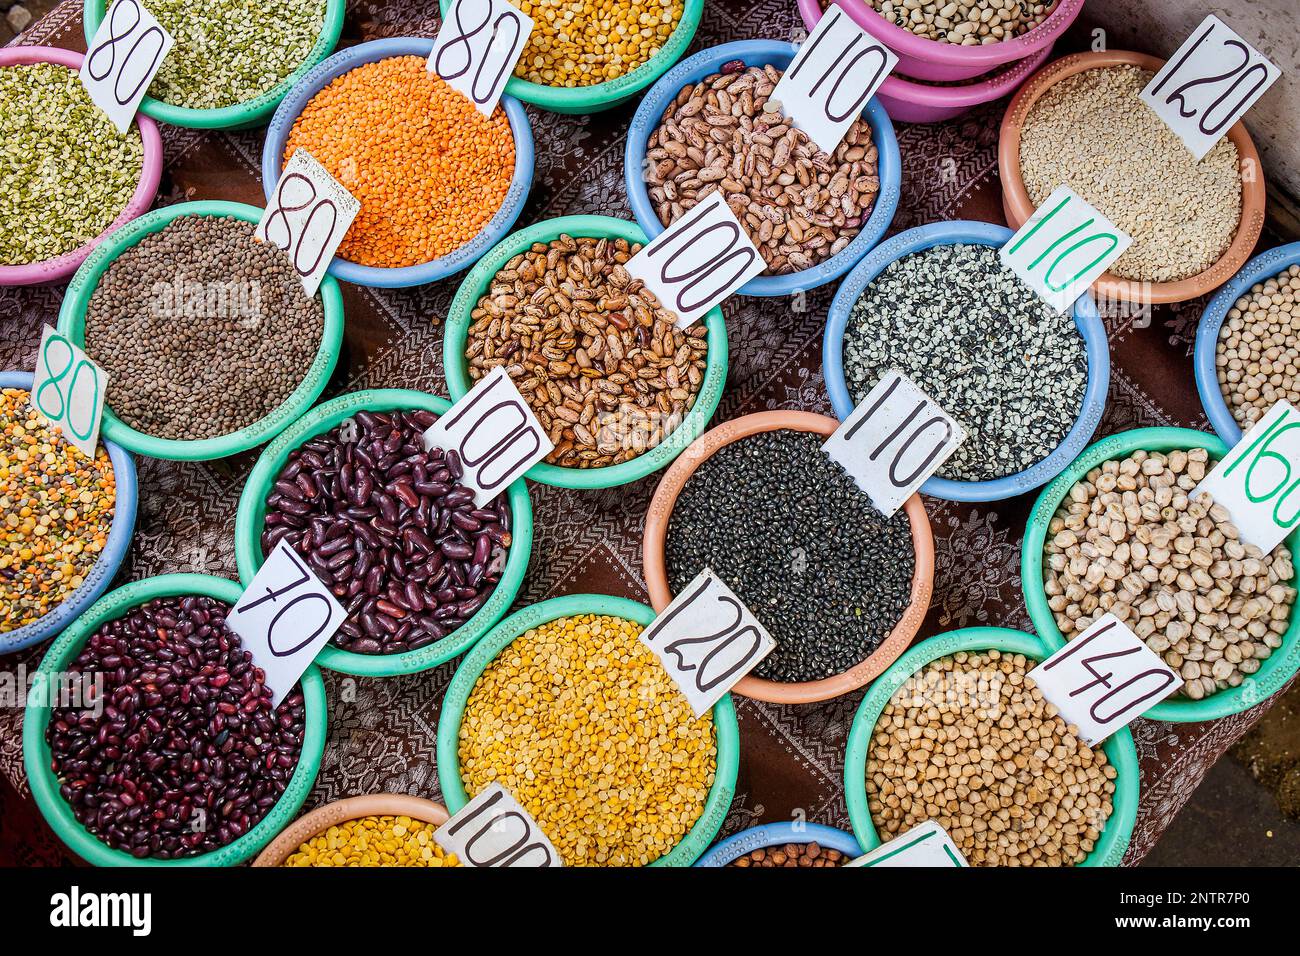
(585, 56)
(48, 578)
(631, 776)
(378, 829)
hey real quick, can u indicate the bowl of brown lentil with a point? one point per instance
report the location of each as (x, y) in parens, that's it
(785, 845)
(1073, 123)
(942, 684)
(398, 831)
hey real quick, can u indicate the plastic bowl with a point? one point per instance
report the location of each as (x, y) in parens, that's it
(656, 572)
(503, 635)
(760, 53)
(277, 135)
(61, 655)
(1260, 269)
(72, 323)
(779, 834)
(1120, 752)
(1086, 319)
(250, 522)
(341, 811)
(241, 115)
(1275, 671)
(476, 285)
(60, 267)
(611, 93)
(109, 560)
(1018, 207)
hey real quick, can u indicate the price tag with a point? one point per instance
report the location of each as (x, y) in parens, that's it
(927, 845)
(698, 261)
(1104, 678)
(477, 49)
(68, 389)
(494, 432)
(123, 58)
(1257, 479)
(894, 440)
(1063, 247)
(707, 639)
(837, 69)
(1208, 84)
(308, 216)
(494, 830)
(285, 616)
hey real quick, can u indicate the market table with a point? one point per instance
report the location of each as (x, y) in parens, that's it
(382, 731)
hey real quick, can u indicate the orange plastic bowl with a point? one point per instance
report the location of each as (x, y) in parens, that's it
(656, 574)
(341, 811)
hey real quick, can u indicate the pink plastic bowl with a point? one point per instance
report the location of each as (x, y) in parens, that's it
(55, 270)
(925, 59)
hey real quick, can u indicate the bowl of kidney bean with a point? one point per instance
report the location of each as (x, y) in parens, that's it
(421, 570)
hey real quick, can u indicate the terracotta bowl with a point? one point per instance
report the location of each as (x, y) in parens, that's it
(341, 811)
(656, 574)
(1018, 207)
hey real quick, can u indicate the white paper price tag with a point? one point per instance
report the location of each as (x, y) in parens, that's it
(707, 639)
(494, 830)
(894, 440)
(1208, 84)
(1063, 247)
(68, 389)
(1258, 479)
(926, 845)
(284, 617)
(1104, 678)
(698, 261)
(477, 48)
(123, 57)
(308, 216)
(837, 69)
(494, 432)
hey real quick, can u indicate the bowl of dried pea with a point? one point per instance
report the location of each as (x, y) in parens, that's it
(378, 829)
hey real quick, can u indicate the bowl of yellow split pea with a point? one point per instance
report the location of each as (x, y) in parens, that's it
(378, 829)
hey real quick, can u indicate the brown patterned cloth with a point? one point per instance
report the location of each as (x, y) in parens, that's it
(382, 732)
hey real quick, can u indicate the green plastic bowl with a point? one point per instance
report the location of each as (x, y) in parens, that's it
(1275, 671)
(1121, 753)
(604, 96)
(251, 516)
(72, 323)
(250, 113)
(62, 653)
(476, 284)
(699, 837)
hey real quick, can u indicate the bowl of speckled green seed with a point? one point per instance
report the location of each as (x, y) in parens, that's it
(233, 62)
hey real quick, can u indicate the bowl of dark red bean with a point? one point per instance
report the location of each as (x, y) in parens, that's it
(387, 525)
(150, 738)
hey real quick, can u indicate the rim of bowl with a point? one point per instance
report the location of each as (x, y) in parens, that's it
(889, 166)
(1276, 669)
(726, 732)
(1260, 269)
(456, 335)
(1119, 748)
(759, 688)
(250, 522)
(72, 323)
(1086, 320)
(60, 267)
(372, 51)
(105, 568)
(238, 115)
(341, 811)
(36, 752)
(779, 834)
(603, 96)
(1018, 207)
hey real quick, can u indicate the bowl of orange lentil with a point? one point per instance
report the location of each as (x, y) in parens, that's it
(439, 183)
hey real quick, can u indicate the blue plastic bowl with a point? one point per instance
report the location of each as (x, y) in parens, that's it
(1263, 267)
(760, 53)
(277, 135)
(1085, 318)
(779, 834)
(110, 559)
